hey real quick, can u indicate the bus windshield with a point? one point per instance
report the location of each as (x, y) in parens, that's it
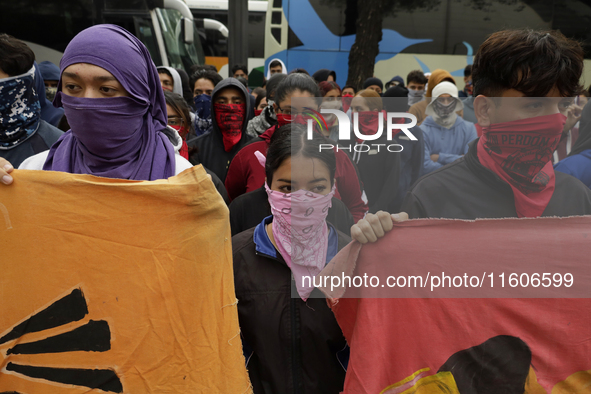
(180, 55)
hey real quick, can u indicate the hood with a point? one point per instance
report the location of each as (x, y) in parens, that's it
(323, 74)
(269, 67)
(49, 113)
(174, 138)
(176, 78)
(49, 71)
(436, 77)
(236, 84)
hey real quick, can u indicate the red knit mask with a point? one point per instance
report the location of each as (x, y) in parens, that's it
(230, 118)
(520, 153)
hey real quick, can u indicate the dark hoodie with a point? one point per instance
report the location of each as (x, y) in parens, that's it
(322, 75)
(210, 146)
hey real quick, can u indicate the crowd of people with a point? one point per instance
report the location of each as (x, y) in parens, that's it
(292, 204)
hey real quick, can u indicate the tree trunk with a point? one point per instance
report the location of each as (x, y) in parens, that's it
(363, 53)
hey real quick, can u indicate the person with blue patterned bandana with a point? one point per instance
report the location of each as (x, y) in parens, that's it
(22, 131)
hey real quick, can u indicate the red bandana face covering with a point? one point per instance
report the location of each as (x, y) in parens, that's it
(230, 118)
(369, 122)
(181, 130)
(347, 98)
(282, 120)
(520, 153)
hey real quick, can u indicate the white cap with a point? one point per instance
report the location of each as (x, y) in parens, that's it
(445, 87)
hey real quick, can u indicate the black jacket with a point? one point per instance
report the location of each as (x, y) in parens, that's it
(45, 136)
(379, 171)
(411, 163)
(291, 346)
(247, 211)
(210, 146)
(465, 189)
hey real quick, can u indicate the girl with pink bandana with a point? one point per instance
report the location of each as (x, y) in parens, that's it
(291, 339)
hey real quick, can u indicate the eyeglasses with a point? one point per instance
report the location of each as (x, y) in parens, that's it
(294, 113)
(175, 121)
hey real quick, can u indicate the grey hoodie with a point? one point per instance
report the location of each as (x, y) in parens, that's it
(176, 78)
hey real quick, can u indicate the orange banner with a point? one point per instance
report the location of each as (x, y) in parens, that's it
(117, 286)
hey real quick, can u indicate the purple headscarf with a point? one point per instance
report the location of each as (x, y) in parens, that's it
(118, 137)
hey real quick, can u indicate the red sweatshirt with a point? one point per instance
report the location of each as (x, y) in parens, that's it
(245, 174)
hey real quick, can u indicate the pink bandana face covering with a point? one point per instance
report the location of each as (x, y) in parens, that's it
(301, 232)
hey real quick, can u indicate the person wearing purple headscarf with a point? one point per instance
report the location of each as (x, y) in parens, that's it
(111, 93)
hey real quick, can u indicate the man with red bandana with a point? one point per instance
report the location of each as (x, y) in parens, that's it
(229, 109)
(524, 82)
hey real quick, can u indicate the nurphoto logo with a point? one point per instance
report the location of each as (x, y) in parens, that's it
(392, 128)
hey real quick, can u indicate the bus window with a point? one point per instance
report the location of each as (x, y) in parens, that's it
(145, 32)
(256, 34)
(180, 55)
(28, 20)
(125, 5)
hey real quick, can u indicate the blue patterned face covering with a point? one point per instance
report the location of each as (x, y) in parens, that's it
(20, 111)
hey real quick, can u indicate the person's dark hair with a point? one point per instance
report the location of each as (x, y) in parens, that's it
(243, 81)
(468, 70)
(239, 67)
(327, 86)
(416, 76)
(531, 62)
(350, 86)
(323, 74)
(198, 67)
(275, 63)
(261, 94)
(292, 140)
(16, 57)
(299, 71)
(499, 365)
(164, 71)
(258, 91)
(293, 82)
(179, 104)
(272, 84)
(187, 91)
(214, 77)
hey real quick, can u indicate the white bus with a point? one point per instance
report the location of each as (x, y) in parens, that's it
(314, 34)
(166, 27)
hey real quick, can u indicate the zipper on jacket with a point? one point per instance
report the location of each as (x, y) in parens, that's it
(295, 362)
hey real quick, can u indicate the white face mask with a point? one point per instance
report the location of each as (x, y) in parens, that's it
(334, 104)
(414, 96)
(444, 115)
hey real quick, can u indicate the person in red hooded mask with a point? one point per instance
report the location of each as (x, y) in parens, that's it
(229, 110)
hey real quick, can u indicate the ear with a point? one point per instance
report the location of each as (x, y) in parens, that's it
(483, 107)
(275, 107)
